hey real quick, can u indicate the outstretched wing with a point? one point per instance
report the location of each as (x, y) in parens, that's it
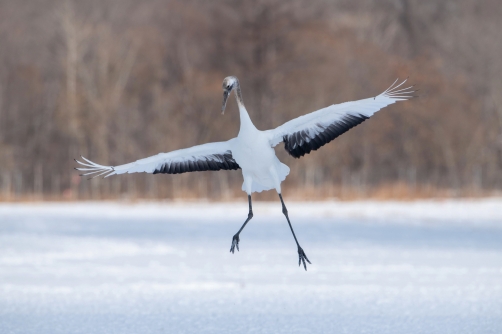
(309, 132)
(211, 156)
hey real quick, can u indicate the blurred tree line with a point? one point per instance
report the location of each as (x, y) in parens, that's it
(119, 80)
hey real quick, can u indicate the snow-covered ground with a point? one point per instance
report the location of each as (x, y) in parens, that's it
(377, 267)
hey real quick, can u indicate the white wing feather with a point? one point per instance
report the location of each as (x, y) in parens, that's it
(207, 153)
(314, 123)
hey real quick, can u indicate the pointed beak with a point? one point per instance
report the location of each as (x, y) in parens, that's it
(226, 93)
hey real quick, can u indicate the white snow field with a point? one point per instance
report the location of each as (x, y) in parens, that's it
(377, 267)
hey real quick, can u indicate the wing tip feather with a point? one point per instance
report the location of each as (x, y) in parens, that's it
(402, 94)
(95, 168)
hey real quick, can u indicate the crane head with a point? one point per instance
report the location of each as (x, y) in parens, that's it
(228, 86)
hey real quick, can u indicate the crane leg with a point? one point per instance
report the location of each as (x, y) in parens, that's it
(235, 239)
(302, 257)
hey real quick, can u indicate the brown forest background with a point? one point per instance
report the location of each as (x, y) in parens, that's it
(119, 80)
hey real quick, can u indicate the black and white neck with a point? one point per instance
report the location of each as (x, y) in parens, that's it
(230, 84)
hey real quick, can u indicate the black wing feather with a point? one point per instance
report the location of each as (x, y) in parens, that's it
(222, 162)
(298, 144)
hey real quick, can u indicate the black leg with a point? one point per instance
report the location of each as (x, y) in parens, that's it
(301, 254)
(235, 240)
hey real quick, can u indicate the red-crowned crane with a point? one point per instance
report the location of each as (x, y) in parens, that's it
(253, 150)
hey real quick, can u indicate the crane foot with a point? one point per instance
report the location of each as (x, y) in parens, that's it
(302, 257)
(235, 243)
